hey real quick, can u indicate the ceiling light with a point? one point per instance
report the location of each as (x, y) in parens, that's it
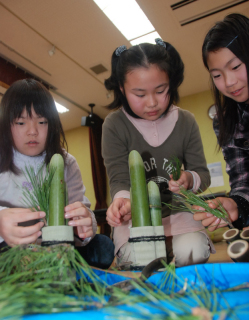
(149, 38)
(51, 52)
(127, 16)
(60, 108)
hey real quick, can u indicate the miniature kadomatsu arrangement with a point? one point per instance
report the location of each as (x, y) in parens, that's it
(50, 194)
(147, 233)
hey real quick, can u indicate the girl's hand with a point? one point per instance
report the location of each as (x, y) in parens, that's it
(212, 222)
(12, 233)
(119, 211)
(185, 181)
(80, 218)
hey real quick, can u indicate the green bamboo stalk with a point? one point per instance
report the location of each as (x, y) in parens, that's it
(57, 192)
(140, 205)
(155, 204)
(66, 199)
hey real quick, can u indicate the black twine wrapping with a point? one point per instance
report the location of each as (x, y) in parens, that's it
(147, 239)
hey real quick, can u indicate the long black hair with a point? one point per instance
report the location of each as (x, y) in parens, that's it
(143, 55)
(231, 33)
(25, 94)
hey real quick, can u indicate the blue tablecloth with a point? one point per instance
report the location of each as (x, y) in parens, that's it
(223, 276)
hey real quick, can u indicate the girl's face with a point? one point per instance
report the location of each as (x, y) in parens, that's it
(229, 74)
(146, 90)
(30, 133)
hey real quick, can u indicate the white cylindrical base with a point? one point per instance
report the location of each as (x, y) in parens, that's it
(147, 244)
(57, 234)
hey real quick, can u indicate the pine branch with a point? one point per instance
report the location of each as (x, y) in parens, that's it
(176, 168)
(187, 199)
(38, 197)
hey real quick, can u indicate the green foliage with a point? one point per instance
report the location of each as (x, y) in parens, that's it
(36, 279)
(176, 168)
(38, 198)
(187, 199)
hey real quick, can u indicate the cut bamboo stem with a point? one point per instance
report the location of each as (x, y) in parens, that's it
(140, 205)
(231, 235)
(57, 192)
(155, 204)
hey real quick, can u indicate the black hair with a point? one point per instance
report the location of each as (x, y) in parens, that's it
(143, 55)
(28, 93)
(231, 33)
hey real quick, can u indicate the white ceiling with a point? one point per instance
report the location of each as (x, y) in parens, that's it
(84, 37)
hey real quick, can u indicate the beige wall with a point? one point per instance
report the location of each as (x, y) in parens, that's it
(198, 104)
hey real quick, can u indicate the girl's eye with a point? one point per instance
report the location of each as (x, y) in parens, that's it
(159, 92)
(216, 76)
(43, 122)
(236, 67)
(20, 123)
(140, 96)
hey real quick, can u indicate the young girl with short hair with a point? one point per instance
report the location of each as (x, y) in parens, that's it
(30, 134)
(225, 55)
(145, 80)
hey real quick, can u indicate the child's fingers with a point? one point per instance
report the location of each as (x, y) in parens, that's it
(127, 217)
(84, 235)
(73, 206)
(26, 215)
(29, 237)
(80, 221)
(126, 208)
(78, 212)
(113, 222)
(213, 203)
(113, 216)
(215, 224)
(120, 206)
(24, 232)
(198, 208)
(205, 217)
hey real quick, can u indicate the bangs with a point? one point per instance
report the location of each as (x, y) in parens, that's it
(26, 98)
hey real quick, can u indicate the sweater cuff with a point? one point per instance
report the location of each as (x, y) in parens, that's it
(122, 194)
(196, 181)
(243, 210)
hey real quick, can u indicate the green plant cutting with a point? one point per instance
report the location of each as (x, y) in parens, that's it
(176, 168)
(188, 199)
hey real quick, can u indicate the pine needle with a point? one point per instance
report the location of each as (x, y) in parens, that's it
(187, 199)
(38, 197)
(44, 281)
(176, 168)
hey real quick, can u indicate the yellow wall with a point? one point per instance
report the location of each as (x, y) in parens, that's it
(78, 146)
(198, 104)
